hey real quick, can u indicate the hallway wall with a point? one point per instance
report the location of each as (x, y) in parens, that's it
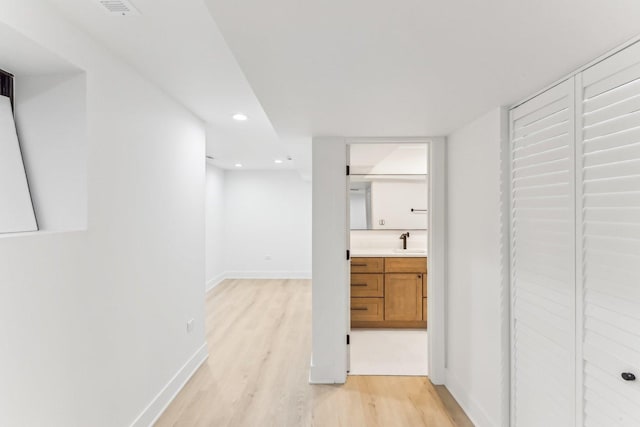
(475, 277)
(93, 323)
(215, 226)
(258, 224)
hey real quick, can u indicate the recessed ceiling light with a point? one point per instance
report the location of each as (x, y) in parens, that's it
(239, 117)
(238, 165)
(277, 161)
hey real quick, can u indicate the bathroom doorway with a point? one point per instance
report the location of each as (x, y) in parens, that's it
(389, 217)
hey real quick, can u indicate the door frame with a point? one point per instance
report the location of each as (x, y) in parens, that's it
(436, 247)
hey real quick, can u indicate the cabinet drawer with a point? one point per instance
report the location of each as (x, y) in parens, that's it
(367, 309)
(405, 265)
(367, 265)
(367, 285)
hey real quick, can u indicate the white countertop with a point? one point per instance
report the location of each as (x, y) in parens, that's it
(388, 253)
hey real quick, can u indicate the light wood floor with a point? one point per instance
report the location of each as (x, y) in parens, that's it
(259, 337)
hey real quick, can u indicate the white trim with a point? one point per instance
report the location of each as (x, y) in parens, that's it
(330, 283)
(436, 311)
(162, 400)
(268, 275)
(578, 165)
(212, 283)
(505, 264)
(590, 64)
(512, 384)
(389, 140)
(472, 409)
(437, 246)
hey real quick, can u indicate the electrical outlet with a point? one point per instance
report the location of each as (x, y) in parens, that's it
(190, 326)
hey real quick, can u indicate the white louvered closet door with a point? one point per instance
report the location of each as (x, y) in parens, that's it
(543, 259)
(609, 203)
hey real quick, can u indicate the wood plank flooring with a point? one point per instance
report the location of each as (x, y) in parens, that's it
(259, 337)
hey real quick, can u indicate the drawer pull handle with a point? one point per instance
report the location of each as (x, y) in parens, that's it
(359, 309)
(356, 264)
(358, 284)
(628, 376)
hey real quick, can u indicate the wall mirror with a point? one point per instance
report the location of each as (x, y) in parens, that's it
(388, 187)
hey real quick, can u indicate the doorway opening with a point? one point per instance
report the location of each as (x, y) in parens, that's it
(388, 216)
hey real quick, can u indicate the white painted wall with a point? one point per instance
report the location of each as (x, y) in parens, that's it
(93, 323)
(52, 121)
(267, 224)
(392, 201)
(330, 290)
(16, 209)
(387, 239)
(475, 312)
(215, 224)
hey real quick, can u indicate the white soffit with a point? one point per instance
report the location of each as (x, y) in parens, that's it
(177, 45)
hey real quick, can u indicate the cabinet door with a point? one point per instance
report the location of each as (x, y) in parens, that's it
(403, 296)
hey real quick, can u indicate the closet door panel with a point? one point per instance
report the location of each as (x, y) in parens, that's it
(543, 269)
(609, 179)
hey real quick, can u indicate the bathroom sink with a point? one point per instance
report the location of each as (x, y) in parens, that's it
(410, 251)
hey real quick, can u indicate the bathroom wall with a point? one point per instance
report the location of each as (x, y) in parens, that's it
(387, 239)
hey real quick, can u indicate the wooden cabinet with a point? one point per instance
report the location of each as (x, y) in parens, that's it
(367, 265)
(367, 285)
(388, 292)
(405, 265)
(403, 296)
(367, 309)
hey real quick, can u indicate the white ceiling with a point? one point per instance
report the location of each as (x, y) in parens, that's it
(21, 56)
(352, 68)
(388, 158)
(178, 46)
(410, 67)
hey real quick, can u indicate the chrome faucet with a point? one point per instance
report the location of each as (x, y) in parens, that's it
(404, 237)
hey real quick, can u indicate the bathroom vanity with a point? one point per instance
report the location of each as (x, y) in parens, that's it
(389, 290)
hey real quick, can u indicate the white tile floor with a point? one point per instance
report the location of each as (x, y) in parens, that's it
(389, 352)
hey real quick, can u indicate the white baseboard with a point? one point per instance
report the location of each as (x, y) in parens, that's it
(212, 283)
(474, 411)
(159, 403)
(268, 275)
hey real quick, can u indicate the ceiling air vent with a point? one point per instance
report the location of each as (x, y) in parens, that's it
(119, 7)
